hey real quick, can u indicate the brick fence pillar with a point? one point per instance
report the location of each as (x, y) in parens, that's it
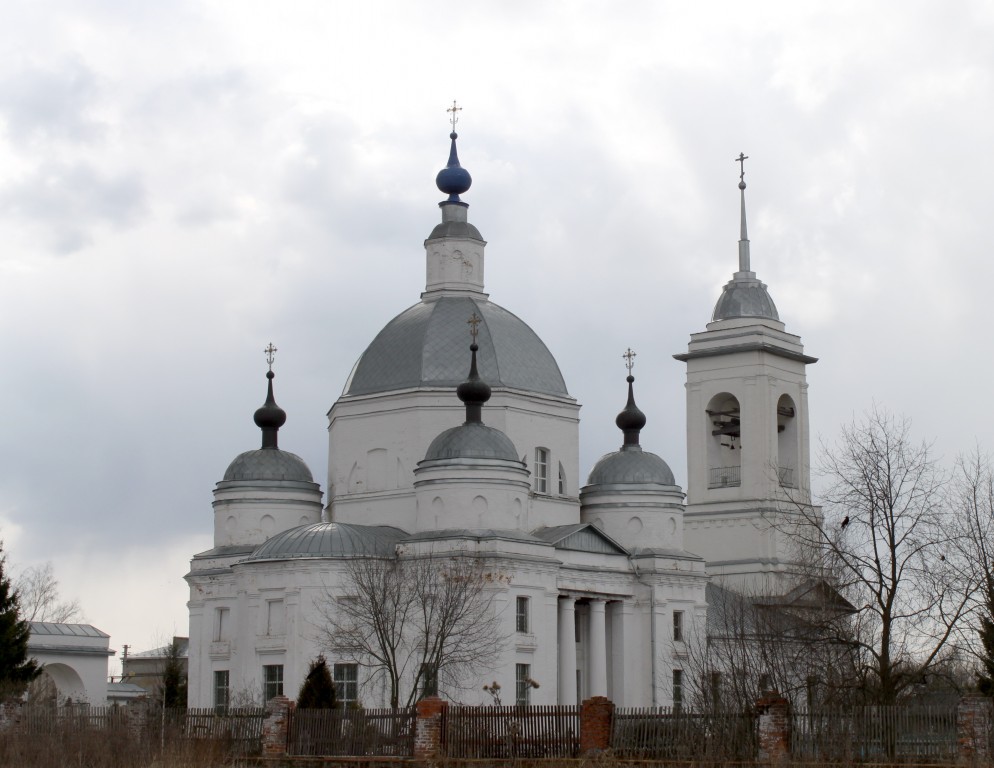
(774, 728)
(973, 730)
(428, 727)
(595, 725)
(275, 727)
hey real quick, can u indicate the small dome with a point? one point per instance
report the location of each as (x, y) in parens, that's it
(472, 441)
(425, 346)
(330, 540)
(268, 464)
(745, 298)
(631, 465)
(453, 180)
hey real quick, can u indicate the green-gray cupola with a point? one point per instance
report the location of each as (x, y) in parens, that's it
(631, 494)
(266, 490)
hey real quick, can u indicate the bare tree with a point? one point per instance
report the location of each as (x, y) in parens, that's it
(40, 600)
(973, 494)
(884, 543)
(425, 622)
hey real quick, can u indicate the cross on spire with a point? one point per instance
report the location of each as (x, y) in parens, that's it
(742, 168)
(474, 321)
(629, 359)
(270, 354)
(452, 117)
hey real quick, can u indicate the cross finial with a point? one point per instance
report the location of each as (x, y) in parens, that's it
(474, 321)
(742, 168)
(629, 359)
(270, 354)
(452, 117)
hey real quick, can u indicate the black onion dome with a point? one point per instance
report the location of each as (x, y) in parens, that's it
(631, 420)
(453, 180)
(270, 417)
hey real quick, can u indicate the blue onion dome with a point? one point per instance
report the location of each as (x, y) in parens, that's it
(330, 540)
(453, 180)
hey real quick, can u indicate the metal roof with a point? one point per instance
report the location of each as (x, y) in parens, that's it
(65, 630)
(426, 346)
(580, 537)
(472, 441)
(631, 465)
(268, 464)
(744, 297)
(329, 540)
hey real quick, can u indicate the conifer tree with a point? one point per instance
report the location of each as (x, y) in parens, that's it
(318, 690)
(16, 669)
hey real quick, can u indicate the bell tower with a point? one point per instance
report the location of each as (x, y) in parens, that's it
(748, 457)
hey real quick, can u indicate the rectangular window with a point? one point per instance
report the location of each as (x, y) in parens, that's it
(677, 688)
(429, 680)
(347, 683)
(716, 689)
(522, 684)
(541, 470)
(221, 621)
(562, 481)
(764, 683)
(275, 618)
(677, 626)
(521, 615)
(272, 681)
(222, 688)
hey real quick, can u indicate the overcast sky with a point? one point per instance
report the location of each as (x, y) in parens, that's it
(182, 183)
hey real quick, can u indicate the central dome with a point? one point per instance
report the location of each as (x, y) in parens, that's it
(425, 346)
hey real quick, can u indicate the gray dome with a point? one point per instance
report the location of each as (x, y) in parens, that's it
(425, 346)
(631, 465)
(330, 540)
(472, 441)
(268, 464)
(745, 297)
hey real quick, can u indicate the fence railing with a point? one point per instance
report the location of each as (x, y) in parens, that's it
(900, 732)
(664, 733)
(511, 732)
(724, 477)
(354, 732)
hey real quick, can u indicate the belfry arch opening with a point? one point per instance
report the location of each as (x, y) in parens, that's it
(724, 421)
(787, 442)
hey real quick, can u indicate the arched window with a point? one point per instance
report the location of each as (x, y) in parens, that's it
(724, 422)
(562, 480)
(786, 442)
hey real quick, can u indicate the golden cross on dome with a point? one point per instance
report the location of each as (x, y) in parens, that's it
(270, 354)
(629, 359)
(741, 160)
(453, 119)
(474, 321)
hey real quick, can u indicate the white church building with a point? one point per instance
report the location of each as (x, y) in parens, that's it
(604, 581)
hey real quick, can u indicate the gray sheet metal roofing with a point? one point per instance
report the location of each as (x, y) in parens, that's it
(269, 464)
(744, 297)
(631, 465)
(472, 441)
(428, 345)
(70, 630)
(330, 540)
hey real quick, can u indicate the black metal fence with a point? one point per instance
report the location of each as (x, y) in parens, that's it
(351, 732)
(511, 732)
(664, 733)
(906, 733)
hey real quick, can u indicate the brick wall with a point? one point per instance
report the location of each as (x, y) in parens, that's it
(428, 728)
(973, 726)
(595, 725)
(276, 725)
(774, 728)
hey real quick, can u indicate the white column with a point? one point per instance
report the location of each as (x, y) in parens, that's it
(598, 649)
(619, 617)
(567, 651)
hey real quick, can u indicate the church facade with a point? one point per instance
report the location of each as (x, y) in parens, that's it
(456, 437)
